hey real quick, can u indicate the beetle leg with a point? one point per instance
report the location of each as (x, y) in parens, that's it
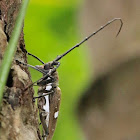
(48, 75)
(44, 77)
(49, 80)
(27, 65)
(44, 136)
(48, 93)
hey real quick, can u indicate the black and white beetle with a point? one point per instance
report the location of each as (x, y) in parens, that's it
(49, 92)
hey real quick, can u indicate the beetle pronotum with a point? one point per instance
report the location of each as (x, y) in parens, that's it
(49, 92)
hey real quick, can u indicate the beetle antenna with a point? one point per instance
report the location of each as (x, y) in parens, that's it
(102, 27)
(35, 57)
(24, 50)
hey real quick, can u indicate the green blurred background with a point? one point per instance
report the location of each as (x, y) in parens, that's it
(51, 28)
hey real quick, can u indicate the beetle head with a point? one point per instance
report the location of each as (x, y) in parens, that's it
(48, 66)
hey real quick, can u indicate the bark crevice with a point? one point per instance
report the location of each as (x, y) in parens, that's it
(18, 114)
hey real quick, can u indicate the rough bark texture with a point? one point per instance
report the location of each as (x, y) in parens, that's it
(18, 114)
(110, 108)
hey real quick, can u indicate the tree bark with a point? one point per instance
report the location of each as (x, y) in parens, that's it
(18, 114)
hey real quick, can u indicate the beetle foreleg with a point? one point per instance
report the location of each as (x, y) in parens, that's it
(27, 65)
(43, 78)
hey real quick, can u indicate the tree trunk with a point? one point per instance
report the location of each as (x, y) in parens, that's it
(110, 107)
(18, 114)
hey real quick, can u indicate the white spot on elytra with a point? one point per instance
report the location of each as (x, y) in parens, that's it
(46, 108)
(56, 114)
(48, 88)
(48, 78)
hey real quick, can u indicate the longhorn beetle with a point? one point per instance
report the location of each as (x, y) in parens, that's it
(49, 93)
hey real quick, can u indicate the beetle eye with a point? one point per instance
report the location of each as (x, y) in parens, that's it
(46, 66)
